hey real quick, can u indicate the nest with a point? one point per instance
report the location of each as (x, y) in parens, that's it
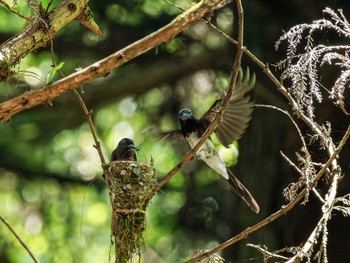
(130, 184)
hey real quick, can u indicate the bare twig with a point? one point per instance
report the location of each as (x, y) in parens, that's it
(265, 252)
(210, 129)
(289, 116)
(302, 141)
(280, 212)
(301, 174)
(92, 129)
(19, 239)
(86, 19)
(13, 10)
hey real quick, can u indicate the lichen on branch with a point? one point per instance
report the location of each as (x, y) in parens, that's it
(39, 31)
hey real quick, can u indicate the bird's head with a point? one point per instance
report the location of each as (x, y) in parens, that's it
(128, 144)
(185, 114)
(125, 150)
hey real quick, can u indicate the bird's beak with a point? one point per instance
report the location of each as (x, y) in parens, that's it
(131, 146)
(185, 116)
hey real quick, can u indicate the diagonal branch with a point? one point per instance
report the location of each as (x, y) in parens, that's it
(103, 67)
(19, 239)
(210, 129)
(13, 10)
(280, 212)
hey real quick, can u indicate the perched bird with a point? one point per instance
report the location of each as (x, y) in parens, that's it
(232, 125)
(126, 150)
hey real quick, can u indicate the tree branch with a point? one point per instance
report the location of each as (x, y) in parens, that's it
(19, 239)
(105, 66)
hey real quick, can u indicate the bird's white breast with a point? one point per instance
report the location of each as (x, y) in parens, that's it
(208, 154)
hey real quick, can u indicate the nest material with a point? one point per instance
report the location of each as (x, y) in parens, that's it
(129, 185)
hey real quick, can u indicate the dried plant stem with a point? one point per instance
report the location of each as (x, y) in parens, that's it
(301, 174)
(266, 252)
(19, 240)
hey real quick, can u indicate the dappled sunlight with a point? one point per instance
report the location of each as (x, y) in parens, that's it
(134, 82)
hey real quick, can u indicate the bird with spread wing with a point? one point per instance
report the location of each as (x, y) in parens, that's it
(231, 127)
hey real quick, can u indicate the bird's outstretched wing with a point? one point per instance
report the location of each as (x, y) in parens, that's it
(239, 111)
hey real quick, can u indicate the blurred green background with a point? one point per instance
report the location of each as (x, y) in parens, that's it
(51, 189)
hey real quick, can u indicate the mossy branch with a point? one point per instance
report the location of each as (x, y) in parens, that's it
(39, 32)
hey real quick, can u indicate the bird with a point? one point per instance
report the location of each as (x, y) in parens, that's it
(232, 125)
(125, 151)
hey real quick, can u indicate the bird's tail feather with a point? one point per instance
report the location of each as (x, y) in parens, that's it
(243, 192)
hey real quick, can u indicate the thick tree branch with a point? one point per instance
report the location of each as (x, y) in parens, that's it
(105, 66)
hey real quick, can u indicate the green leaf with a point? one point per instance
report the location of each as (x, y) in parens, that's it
(53, 71)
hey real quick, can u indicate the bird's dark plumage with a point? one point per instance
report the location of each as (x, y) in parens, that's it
(232, 125)
(125, 151)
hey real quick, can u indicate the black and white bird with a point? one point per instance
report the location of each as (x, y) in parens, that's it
(126, 150)
(232, 125)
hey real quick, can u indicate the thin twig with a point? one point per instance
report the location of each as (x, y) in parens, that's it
(289, 116)
(13, 10)
(289, 161)
(280, 212)
(307, 180)
(188, 156)
(92, 129)
(19, 239)
(265, 252)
